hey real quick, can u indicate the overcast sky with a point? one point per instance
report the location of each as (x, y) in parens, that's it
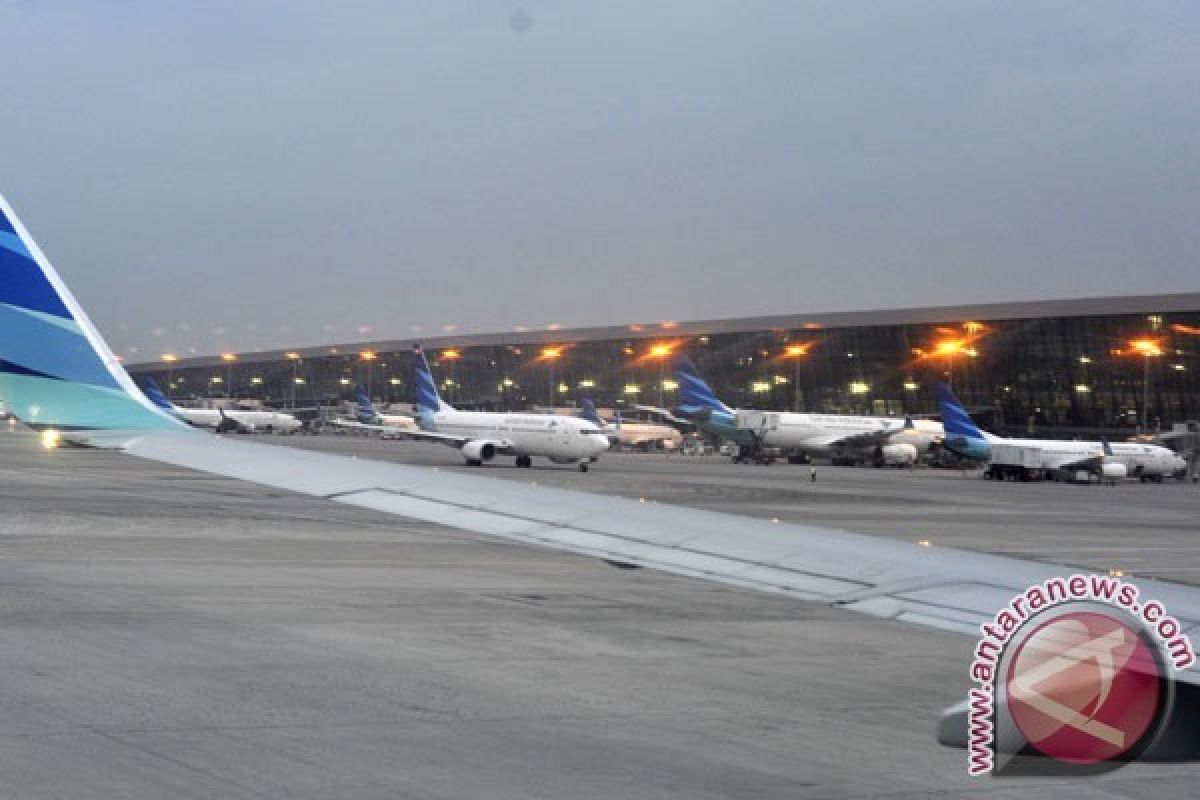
(237, 175)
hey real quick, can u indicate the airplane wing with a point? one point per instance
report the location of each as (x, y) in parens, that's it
(1074, 461)
(939, 587)
(686, 425)
(452, 440)
(858, 441)
(351, 424)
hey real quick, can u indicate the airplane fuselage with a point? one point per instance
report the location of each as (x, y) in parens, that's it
(819, 434)
(561, 439)
(260, 421)
(1138, 459)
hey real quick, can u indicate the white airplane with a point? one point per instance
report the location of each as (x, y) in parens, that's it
(843, 437)
(367, 418)
(483, 435)
(223, 420)
(639, 435)
(1146, 461)
(59, 376)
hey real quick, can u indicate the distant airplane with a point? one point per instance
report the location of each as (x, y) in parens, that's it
(222, 420)
(844, 437)
(1109, 460)
(483, 435)
(632, 434)
(366, 417)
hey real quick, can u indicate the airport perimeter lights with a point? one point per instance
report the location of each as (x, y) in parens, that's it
(169, 359)
(796, 352)
(229, 359)
(1148, 349)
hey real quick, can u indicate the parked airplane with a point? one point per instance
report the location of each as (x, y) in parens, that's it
(1112, 461)
(641, 435)
(223, 420)
(59, 376)
(483, 435)
(366, 417)
(843, 437)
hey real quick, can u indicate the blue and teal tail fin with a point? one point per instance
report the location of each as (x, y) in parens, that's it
(955, 419)
(156, 396)
(364, 411)
(694, 393)
(428, 400)
(55, 369)
(962, 436)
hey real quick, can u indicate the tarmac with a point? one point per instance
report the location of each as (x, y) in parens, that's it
(165, 633)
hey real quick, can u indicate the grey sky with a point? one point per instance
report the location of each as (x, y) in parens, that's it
(251, 174)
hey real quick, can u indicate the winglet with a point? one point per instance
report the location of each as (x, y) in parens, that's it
(55, 369)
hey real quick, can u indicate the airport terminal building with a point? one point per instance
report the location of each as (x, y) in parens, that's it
(1095, 363)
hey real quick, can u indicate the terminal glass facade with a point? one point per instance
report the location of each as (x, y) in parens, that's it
(1019, 375)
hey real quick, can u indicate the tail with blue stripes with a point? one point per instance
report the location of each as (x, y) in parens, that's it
(955, 419)
(55, 369)
(364, 412)
(962, 435)
(428, 399)
(587, 410)
(694, 393)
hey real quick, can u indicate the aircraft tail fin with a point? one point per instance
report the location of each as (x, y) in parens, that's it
(428, 398)
(156, 396)
(363, 409)
(587, 410)
(55, 369)
(955, 419)
(694, 392)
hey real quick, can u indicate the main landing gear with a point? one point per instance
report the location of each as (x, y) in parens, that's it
(524, 462)
(583, 466)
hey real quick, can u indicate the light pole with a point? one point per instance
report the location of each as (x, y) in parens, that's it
(229, 359)
(295, 359)
(661, 352)
(169, 359)
(796, 352)
(948, 348)
(551, 355)
(1148, 349)
(368, 358)
(452, 356)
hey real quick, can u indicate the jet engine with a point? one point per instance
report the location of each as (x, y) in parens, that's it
(1113, 470)
(477, 452)
(898, 455)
